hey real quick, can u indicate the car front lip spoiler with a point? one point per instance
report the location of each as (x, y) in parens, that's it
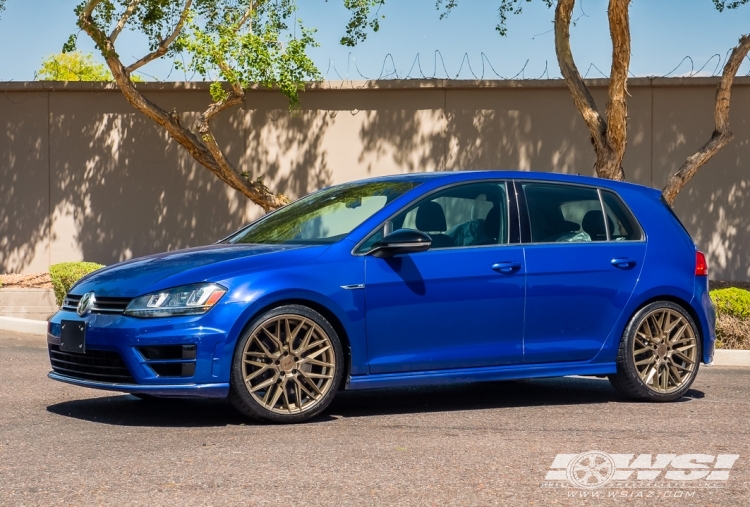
(220, 390)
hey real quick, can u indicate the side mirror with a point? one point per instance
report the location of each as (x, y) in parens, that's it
(402, 241)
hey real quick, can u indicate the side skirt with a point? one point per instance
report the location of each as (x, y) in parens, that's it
(522, 371)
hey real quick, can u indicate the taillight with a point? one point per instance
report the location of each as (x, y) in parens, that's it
(701, 267)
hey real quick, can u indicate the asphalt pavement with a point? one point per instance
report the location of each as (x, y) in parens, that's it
(474, 444)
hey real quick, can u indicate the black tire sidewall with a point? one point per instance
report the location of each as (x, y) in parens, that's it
(241, 397)
(626, 380)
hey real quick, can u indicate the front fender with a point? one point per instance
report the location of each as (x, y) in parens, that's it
(320, 286)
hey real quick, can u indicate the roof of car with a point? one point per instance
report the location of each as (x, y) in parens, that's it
(469, 175)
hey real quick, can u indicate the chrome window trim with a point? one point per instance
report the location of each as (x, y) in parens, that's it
(387, 222)
(599, 190)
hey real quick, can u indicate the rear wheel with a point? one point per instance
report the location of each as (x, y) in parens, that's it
(287, 367)
(659, 354)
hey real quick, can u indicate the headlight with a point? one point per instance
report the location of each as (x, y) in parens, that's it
(185, 300)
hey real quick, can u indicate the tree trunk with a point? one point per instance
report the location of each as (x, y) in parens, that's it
(721, 135)
(211, 156)
(609, 136)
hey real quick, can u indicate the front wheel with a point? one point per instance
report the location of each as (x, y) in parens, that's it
(659, 354)
(287, 367)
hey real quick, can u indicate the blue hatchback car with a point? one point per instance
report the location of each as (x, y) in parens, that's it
(401, 281)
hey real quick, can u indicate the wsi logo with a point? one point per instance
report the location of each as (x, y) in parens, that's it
(596, 469)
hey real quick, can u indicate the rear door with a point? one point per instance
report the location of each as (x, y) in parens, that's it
(580, 268)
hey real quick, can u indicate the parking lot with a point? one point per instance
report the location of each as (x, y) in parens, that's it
(474, 444)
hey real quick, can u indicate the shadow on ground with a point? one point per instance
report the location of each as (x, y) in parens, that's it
(126, 410)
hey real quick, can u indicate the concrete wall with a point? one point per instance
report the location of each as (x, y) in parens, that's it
(84, 176)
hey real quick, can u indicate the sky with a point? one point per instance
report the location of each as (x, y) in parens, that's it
(414, 43)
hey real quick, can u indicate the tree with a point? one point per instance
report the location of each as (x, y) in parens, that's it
(609, 134)
(72, 67)
(608, 131)
(233, 43)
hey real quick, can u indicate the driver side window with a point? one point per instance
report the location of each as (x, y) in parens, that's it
(474, 214)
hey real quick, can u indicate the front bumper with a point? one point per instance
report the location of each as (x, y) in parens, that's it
(128, 340)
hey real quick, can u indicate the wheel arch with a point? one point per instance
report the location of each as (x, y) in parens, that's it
(327, 313)
(685, 305)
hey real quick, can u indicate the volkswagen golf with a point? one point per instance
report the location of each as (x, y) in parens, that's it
(405, 280)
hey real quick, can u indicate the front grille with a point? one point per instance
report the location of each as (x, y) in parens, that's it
(98, 365)
(70, 302)
(102, 305)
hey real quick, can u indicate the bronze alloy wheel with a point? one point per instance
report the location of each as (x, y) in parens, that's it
(659, 354)
(288, 366)
(665, 350)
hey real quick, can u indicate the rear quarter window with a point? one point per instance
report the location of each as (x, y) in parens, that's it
(622, 224)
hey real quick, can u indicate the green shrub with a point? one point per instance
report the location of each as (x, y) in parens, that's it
(732, 317)
(65, 274)
(732, 301)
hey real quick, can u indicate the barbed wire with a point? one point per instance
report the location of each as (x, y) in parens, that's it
(389, 69)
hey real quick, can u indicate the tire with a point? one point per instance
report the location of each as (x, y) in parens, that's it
(659, 354)
(287, 366)
(144, 397)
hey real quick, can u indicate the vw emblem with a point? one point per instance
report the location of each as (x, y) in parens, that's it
(86, 304)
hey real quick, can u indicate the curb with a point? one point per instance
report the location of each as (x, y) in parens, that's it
(25, 326)
(729, 357)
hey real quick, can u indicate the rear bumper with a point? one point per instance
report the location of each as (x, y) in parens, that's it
(706, 318)
(220, 390)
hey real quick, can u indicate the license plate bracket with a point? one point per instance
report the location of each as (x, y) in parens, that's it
(73, 336)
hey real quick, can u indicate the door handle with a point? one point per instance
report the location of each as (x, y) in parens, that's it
(623, 263)
(506, 267)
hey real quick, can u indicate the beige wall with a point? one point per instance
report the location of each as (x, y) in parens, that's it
(83, 176)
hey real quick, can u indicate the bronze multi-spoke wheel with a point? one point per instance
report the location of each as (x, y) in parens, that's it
(287, 367)
(659, 354)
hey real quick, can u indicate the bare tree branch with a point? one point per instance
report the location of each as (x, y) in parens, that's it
(255, 190)
(721, 135)
(617, 106)
(236, 85)
(90, 6)
(123, 20)
(161, 50)
(582, 97)
(245, 17)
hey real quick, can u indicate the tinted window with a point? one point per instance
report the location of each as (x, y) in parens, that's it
(467, 215)
(564, 213)
(623, 226)
(325, 216)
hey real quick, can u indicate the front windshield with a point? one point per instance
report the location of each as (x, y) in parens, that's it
(325, 216)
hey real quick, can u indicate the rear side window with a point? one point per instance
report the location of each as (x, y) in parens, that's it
(564, 213)
(622, 224)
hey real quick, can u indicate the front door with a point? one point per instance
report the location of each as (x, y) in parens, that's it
(459, 304)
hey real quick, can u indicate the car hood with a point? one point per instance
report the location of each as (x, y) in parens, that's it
(209, 263)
